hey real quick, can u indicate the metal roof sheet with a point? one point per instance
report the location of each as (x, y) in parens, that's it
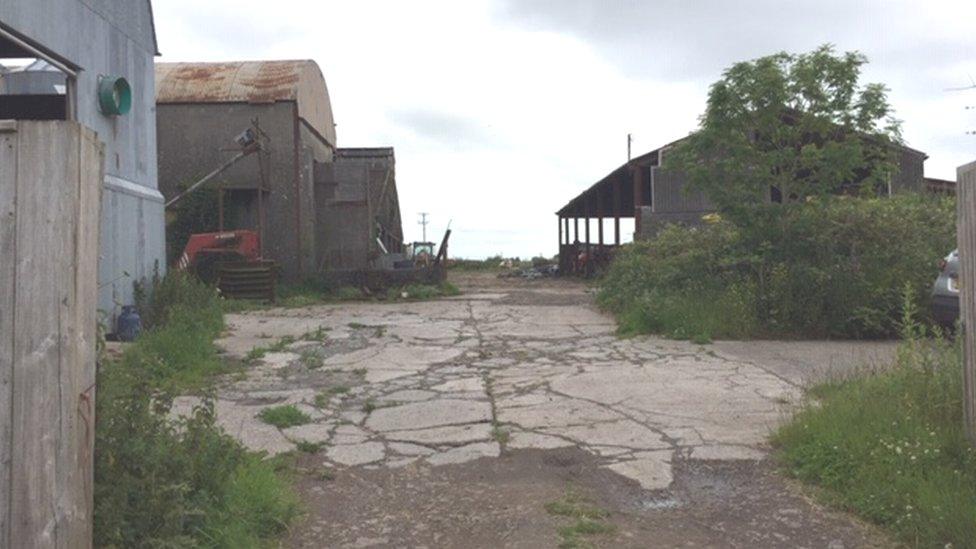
(250, 82)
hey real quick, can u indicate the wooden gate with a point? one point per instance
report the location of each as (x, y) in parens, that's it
(966, 230)
(50, 191)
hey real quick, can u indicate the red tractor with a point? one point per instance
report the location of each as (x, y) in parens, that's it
(204, 251)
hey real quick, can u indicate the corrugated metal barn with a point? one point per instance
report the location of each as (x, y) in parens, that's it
(308, 199)
(644, 189)
(87, 40)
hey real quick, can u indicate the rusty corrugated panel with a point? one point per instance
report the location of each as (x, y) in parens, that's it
(250, 82)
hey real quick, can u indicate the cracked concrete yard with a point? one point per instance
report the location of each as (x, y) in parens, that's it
(484, 406)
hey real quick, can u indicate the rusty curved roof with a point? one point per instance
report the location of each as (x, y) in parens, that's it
(300, 81)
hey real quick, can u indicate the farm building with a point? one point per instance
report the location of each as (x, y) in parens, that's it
(358, 209)
(79, 45)
(645, 190)
(317, 208)
(202, 107)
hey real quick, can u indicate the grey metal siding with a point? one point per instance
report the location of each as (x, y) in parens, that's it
(911, 172)
(671, 195)
(110, 37)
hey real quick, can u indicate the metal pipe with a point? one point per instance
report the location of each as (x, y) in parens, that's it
(210, 176)
(297, 199)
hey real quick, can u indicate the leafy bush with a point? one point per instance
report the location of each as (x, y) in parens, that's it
(833, 267)
(158, 298)
(182, 316)
(162, 481)
(890, 446)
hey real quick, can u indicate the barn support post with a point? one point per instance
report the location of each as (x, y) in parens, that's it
(586, 227)
(599, 216)
(616, 211)
(560, 248)
(966, 231)
(638, 198)
(576, 230)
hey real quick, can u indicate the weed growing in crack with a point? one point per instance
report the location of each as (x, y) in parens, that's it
(281, 344)
(588, 520)
(361, 372)
(322, 400)
(309, 447)
(319, 334)
(311, 359)
(284, 416)
(325, 474)
(500, 434)
(258, 353)
(254, 354)
(357, 325)
(369, 406)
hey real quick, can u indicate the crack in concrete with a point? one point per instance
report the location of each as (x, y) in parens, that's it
(546, 374)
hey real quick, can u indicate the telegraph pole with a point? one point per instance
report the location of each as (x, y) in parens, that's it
(423, 222)
(630, 139)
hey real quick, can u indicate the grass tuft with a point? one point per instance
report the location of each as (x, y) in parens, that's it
(283, 417)
(309, 447)
(588, 520)
(500, 434)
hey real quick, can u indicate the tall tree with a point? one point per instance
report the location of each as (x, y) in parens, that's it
(785, 128)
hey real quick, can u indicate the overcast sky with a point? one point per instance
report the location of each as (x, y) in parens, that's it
(502, 110)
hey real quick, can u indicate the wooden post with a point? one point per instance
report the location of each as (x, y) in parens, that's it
(559, 249)
(966, 231)
(638, 198)
(599, 216)
(586, 227)
(616, 211)
(575, 230)
(51, 177)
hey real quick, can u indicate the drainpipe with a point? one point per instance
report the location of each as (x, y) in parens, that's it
(296, 149)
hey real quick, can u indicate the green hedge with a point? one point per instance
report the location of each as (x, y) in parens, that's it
(828, 268)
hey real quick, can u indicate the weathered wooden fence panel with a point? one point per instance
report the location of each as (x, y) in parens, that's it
(966, 230)
(50, 191)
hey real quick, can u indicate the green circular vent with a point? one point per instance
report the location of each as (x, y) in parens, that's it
(114, 95)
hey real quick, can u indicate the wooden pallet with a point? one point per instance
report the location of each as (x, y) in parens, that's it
(251, 280)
